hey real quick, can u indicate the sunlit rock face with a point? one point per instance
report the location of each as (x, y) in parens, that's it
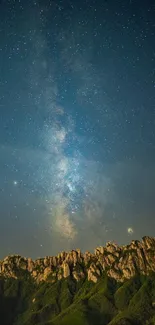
(119, 262)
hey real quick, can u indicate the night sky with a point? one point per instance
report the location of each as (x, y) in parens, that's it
(77, 124)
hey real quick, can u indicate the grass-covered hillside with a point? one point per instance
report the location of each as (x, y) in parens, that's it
(71, 302)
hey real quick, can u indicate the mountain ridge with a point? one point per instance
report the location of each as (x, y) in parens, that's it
(113, 286)
(119, 262)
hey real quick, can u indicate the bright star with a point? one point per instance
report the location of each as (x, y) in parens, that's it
(130, 231)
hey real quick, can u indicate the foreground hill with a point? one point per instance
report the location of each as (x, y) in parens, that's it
(114, 286)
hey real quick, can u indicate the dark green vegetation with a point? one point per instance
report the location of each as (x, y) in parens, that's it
(67, 302)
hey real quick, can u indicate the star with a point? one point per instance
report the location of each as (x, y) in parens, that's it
(130, 231)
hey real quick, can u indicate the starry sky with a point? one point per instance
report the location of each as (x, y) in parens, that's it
(77, 124)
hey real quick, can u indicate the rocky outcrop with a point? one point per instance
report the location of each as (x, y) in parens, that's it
(119, 262)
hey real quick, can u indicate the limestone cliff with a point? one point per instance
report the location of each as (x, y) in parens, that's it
(119, 262)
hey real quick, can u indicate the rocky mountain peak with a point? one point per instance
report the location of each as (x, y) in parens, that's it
(119, 262)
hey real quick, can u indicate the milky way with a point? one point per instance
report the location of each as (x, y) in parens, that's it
(77, 124)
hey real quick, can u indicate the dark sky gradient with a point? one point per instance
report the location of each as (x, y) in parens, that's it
(77, 124)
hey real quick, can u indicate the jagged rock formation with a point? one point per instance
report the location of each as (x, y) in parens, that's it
(119, 262)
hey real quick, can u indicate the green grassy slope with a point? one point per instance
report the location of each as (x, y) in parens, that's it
(67, 302)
